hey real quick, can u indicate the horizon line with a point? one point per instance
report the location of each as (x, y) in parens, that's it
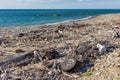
(58, 8)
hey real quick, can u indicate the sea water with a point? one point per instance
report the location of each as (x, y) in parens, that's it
(28, 17)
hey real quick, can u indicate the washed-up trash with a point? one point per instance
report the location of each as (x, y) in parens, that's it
(51, 54)
(19, 51)
(37, 56)
(102, 49)
(61, 27)
(40, 39)
(1, 41)
(61, 54)
(117, 35)
(69, 64)
(79, 58)
(36, 37)
(21, 35)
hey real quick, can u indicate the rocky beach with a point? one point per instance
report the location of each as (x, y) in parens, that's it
(77, 50)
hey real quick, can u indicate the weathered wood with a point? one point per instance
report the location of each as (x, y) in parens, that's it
(25, 58)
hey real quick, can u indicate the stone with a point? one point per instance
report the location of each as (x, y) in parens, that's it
(118, 65)
(15, 72)
(17, 78)
(29, 78)
(50, 72)
(117, 54)
(4, 76)
(97, 73)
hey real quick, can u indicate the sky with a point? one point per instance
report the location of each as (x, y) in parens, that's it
(60, 4)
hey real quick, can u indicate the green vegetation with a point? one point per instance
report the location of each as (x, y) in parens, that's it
(88, 73)
(118, 78)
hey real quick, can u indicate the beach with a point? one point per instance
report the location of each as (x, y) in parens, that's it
(103, 29)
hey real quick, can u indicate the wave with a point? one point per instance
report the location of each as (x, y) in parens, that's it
(87, 18)
(70, 20)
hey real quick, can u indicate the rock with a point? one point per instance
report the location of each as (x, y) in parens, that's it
(118, 65)
(75, 76)
(117, 54)
(1, 53)
(15, 72)
(50, 72)
(60, 32)
(4, 76)
(29, 78)
(116, 27)
(17, 78)
(97, 73)
(18, 44)
(102, 49)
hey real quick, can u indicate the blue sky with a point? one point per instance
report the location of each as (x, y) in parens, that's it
(60, 4)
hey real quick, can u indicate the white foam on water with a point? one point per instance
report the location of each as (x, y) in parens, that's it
(69, 20)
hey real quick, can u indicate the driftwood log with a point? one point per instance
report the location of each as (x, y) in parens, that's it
(21, 60)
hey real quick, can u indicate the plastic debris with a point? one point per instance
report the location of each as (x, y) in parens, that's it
(102, 49)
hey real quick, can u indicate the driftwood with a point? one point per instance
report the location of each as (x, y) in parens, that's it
(20, 60)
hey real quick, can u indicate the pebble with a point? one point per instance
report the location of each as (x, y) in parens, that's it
(15, 72)
(4, 76)
(29, 78)
(97, 73)
(117, 54)
(50, 72)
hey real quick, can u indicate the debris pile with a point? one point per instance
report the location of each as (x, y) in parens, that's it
(61, 52)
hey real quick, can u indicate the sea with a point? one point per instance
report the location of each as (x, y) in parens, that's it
(30, 17)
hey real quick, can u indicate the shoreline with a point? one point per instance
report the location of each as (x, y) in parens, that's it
(20, 29)
(72, 39)
(53, 23)
(25, 29)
